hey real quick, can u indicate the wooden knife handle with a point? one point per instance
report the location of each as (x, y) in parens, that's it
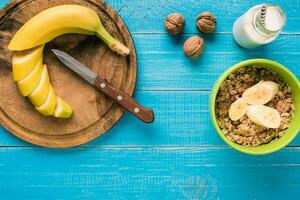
(126, 101)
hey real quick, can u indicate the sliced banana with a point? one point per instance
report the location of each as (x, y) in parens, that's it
(30, 82)
(264, 116)
(238, 109)
(23, 62)
(272, 85)
(40, 93)
(48, 107)
(62, 109)
(260, 93)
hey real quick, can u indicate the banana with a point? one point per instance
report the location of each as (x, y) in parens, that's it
(238, 109)
(49, 105)
(264, 116)
(60, 20)
(260, 93)
(30, 82)
(272, 85)
(23, 62)
(62, 110)
(40, 94)
(28, 69)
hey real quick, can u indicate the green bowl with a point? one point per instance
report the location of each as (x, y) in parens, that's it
(287, 76)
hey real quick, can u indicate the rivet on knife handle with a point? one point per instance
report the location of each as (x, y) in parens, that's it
(144, 114)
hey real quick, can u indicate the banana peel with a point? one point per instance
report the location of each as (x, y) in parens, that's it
(60, 20)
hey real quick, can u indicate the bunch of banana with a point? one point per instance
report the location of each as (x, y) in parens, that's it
(252, 104)
(27, 62)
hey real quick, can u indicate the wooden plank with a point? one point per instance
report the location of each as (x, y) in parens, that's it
(163, 66)
(147, 173)
(181, 119)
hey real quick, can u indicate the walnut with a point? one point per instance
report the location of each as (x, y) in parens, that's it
(206, 22)
(174, 23)
(193, 46)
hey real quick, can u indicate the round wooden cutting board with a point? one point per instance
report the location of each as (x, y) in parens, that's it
(94, 113)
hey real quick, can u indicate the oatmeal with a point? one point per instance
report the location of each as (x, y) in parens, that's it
(244, 131)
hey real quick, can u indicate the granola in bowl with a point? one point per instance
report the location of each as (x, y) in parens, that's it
(244, 131)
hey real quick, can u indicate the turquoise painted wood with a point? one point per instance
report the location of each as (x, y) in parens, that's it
(148, 173)
(144, 16)
(180, 156)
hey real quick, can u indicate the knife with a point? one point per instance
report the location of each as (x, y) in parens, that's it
(123, 99)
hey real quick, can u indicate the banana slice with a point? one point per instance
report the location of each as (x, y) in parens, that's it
(23, 62)
(261, 93)
(62, 110)
(264, 116)
(272, 85)
(238, 109)
(49, 106)
(30, 82)
(40, 94)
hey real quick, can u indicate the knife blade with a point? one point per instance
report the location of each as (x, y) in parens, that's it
(123, 99)
(76, 66)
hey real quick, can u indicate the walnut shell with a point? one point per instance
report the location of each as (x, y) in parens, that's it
(206, 22)
(174, 23)
(193, 46)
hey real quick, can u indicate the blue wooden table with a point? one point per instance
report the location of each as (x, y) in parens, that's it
(180, 156)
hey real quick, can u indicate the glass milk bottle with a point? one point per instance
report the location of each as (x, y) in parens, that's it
(260, 25)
